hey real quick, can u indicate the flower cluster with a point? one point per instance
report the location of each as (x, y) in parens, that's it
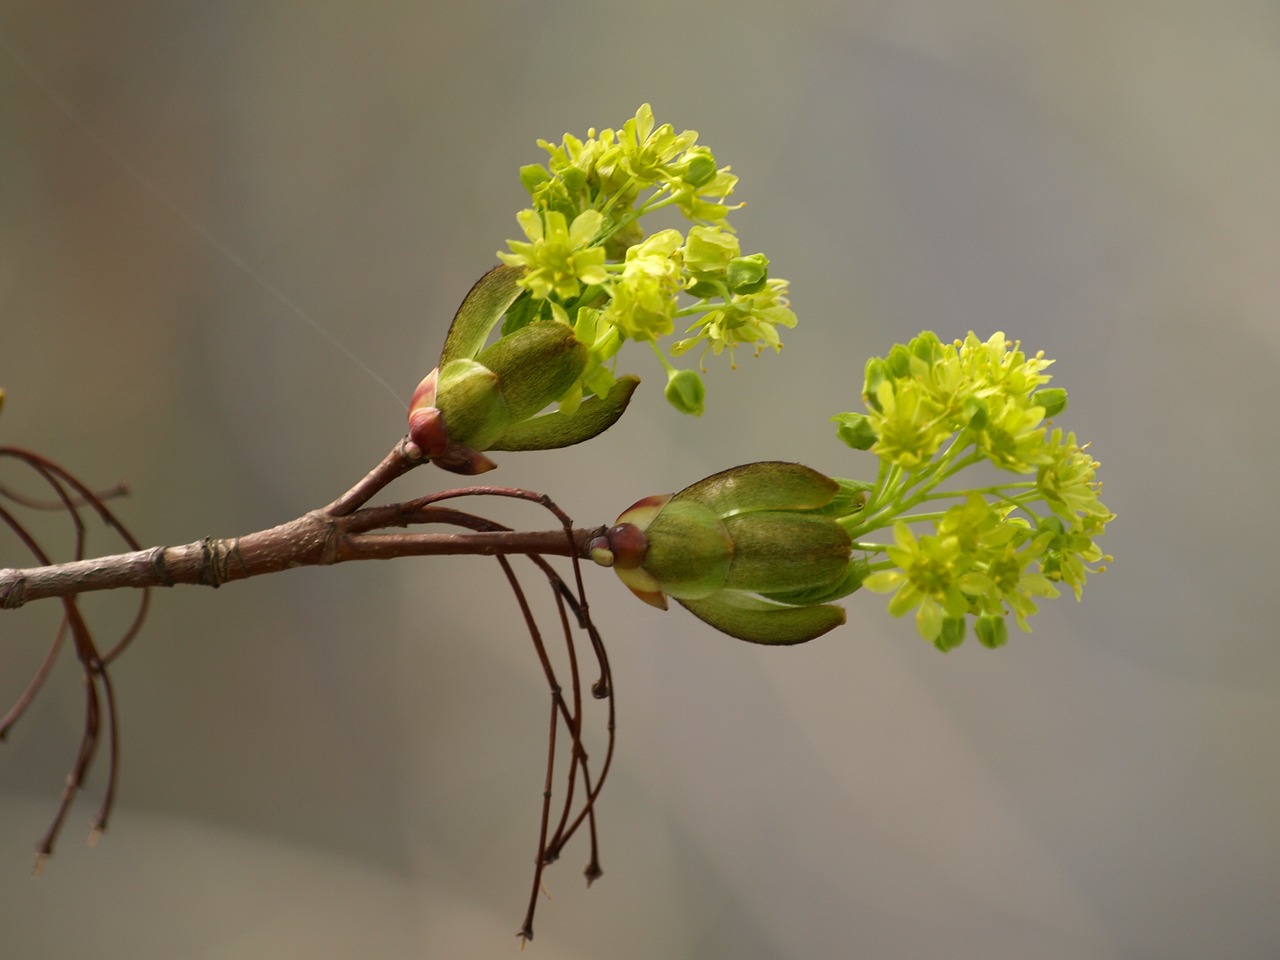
(934, 409)
(761, 551)
(587, 262)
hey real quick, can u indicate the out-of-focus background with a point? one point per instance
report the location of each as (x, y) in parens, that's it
(348, 762)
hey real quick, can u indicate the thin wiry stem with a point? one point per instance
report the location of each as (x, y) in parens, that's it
(121, 489)
(35, 683)
(73, 496)
(549, 847)
(346, 529)
(557, 701)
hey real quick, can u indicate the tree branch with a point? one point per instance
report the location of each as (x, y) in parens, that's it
(345, 529)
(337, 533)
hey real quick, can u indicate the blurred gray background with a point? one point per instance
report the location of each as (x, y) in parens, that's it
(348, 762)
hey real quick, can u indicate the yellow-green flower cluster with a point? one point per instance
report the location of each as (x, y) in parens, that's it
(586, 253)
(921, 394)
(934, 409)
(980, 561)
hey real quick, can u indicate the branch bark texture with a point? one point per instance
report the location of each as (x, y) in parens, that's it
(345, 530)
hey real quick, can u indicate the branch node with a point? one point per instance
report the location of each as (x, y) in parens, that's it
(332, 539)
(216, 558)
(159, 562)
(15, 596)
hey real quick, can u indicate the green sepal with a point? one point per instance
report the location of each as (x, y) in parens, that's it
(479, 313)
(469, 396)
(767, 485)
(705, 289)
(952, 634)
(877, 372)
(1053, 399)
(851, 498)
(857, 571)
(554, 430)
(524, 310)
(535, 366)
(927, 349)
(701, 167)
(689, 550)
(759, 621)
(533, 175)
(747, 275)
(779, 551)
(854, 430)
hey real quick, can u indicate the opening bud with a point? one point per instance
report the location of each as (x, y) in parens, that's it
(743, 550)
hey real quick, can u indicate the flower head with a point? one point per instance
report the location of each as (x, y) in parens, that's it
(643, 302)
(934, 409)
(559, 259)
(745, 319)
(586, 249)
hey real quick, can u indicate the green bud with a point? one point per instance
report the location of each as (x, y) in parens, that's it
(777, 551)
(855, 430)
(700, 166)
(952, 634)
(534, 175)
(857, 570)
(535, 366)
(747, 275)
(877, 372)
(487, 398)
(554, 430)
(686, 392)
(469, 398)
(744, 550)
(709, 250)
(1053, 399)
(689, 550)
(898, 361)
(758, 621)
(991, 630)
(768, 485)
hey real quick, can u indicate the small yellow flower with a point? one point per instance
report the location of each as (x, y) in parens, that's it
(558, 259)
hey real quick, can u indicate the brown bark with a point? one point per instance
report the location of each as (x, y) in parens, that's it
(340, 532)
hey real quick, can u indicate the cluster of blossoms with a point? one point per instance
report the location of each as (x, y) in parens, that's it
(760, 551)
(934, 409)
(586, 261)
